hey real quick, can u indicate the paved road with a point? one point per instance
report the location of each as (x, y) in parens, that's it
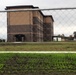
(37, 51)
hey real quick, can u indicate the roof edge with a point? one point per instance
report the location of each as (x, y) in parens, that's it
(20, 6)
(49, 16)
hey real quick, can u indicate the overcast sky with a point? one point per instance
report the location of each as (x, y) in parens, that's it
(40, 3)
(60, 19)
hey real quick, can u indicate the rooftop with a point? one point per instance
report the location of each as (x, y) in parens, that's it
(27, 6)
(21, 6)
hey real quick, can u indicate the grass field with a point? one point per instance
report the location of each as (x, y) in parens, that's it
(37, 64)
(45, 46)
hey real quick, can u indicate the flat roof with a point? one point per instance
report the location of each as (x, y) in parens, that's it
(27, 6)
(49, 16)
(20, 6)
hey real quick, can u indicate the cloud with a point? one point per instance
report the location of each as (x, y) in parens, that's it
(39, 3)
(64, 29)
(65, 20)
(3, 33)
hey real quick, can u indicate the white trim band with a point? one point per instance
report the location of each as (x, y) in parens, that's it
(37, 51)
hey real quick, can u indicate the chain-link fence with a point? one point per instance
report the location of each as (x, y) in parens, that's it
(3, 26)
(38, 25)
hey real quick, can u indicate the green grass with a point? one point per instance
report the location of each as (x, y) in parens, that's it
(45, 46)
(38, 64)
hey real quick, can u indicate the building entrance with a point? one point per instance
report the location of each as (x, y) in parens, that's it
(20, 38)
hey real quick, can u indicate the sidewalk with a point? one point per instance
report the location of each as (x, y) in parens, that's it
(37, 51)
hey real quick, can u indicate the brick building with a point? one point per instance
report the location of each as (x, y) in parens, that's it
(28, 26)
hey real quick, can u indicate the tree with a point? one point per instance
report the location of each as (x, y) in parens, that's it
(74, 34)
(62, 36)
(71, 37)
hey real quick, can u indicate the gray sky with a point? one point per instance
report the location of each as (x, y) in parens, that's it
(67, 30)
(40, 3)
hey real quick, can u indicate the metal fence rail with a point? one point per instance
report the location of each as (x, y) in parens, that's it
(64, 25)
